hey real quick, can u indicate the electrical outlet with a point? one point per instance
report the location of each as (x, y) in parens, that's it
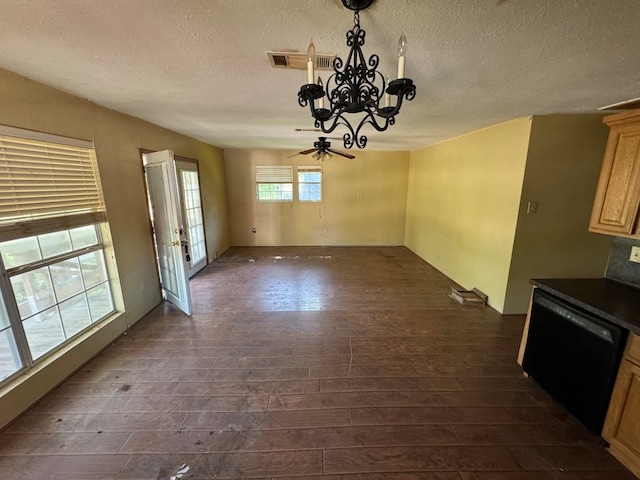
(635, 255)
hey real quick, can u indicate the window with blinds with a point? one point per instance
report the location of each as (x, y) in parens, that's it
(274, 183)
(47, 183)
(51, 246)
(310, 184)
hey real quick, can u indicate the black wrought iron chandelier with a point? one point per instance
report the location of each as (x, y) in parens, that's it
(356, 87)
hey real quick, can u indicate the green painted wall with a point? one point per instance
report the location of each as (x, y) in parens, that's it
(563, 165)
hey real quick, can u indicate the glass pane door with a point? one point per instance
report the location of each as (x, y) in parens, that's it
(192, 215)
(162, 186)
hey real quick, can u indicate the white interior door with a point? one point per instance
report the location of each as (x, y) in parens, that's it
(190, 201)
(162, 185)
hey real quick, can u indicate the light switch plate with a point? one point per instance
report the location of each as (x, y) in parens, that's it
(635, 254)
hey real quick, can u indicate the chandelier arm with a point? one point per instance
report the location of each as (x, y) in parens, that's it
(321, 125)
(402, 90)
(341, 120)
(335, 121)
(370, 119)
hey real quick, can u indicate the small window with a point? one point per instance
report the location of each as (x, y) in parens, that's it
(310, 184)
(274, 183)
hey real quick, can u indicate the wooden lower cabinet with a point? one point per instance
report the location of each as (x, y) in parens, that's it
(622, 426)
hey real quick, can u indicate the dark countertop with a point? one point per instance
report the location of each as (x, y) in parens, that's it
(611, 300)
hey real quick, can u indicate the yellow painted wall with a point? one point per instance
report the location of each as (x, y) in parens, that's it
(363, 201)
(117, 137)
(563, 165)
(462, 205)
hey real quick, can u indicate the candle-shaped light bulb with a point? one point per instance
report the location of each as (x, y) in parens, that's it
(311, 61)
(321, 100)
(402, 46)
(402, 51)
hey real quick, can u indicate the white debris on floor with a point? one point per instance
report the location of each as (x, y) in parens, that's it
(182, 471)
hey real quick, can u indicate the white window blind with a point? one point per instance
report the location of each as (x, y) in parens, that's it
(47, 183)
(313, 169)
(274, 174)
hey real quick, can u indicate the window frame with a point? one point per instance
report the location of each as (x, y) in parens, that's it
(77, 202)
(301, 170)
(13, 315)
(274, 175)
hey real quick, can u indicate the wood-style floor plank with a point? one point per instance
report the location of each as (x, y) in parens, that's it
(309, 363)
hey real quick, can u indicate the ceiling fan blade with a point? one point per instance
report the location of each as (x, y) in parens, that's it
(342, 154)
(304, 152)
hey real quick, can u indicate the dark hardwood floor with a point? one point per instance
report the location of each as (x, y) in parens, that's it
(309, 363)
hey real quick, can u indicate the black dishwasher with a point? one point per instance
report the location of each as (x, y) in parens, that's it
(574, 355)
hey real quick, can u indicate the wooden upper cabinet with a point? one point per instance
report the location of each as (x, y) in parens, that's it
(616, 210)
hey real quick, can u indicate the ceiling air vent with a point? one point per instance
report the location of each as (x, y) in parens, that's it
(625, 105)
(325, 62)
(279, 61)
(298, 60)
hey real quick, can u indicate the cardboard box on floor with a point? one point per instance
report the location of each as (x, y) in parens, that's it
(468, 297)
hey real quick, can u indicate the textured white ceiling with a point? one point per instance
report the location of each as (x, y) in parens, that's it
(199, 66)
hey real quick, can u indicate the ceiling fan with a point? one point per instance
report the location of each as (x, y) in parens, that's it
(323, 151)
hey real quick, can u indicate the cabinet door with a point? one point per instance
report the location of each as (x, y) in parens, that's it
(617, 199)
(622, 426)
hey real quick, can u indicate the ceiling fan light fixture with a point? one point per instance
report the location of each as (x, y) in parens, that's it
(322, 151)
(322, 156)
(356, 87)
